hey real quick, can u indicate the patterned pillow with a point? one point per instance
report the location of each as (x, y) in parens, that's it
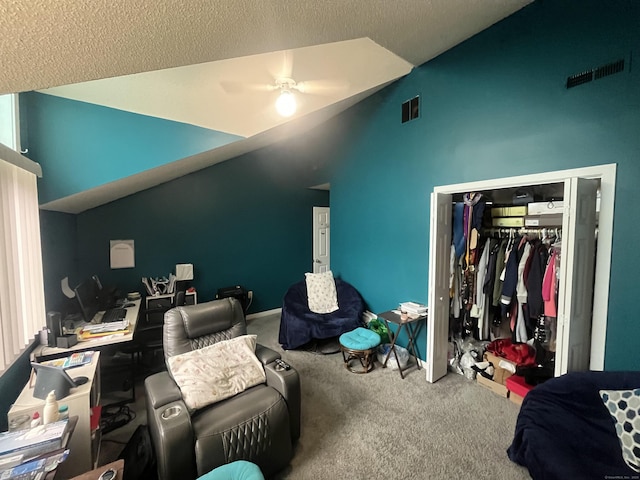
(321, 292)
(222, 370)
(624, 407)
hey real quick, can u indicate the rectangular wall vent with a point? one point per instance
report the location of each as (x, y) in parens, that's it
(595, 74)
(607, 70)
(411, 109)
(579, 79)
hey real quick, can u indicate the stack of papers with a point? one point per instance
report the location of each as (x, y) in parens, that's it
(119, 327)
(413, 309)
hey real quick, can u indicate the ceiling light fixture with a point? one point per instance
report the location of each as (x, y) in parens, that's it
(286, 103)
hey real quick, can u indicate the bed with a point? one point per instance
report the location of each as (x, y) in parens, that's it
(565, 431)
(299, 325)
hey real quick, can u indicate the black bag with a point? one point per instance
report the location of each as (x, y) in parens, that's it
(139, 457)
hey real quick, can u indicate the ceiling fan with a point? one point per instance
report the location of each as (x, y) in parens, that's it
(284, 83)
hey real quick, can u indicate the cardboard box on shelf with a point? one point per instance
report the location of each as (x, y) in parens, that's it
(544, 208)
(509, 211)
(551, 220)
(507, 221)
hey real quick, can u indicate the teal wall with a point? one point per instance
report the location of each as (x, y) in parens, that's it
(83, 146)
(59, 252)
(240, 222)
(246, 221)
(495, 106)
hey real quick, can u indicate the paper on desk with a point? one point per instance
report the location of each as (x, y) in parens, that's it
(106, 326)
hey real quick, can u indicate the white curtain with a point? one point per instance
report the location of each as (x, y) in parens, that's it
(22, 309)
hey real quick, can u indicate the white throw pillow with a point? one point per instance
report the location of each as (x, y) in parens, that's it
(624, 408)
(321, 292)
(222, 370)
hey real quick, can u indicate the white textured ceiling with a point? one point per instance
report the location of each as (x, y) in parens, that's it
(53, 43)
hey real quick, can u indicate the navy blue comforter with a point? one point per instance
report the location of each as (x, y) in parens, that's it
(299, 325)
(564, 431)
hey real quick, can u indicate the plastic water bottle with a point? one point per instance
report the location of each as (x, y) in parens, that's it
(50, 412)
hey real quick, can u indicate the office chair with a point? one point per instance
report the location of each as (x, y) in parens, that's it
(147, 339)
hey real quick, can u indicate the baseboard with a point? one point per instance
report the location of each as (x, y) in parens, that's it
(266, 313)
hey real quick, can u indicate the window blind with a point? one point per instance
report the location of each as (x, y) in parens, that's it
(22, 308)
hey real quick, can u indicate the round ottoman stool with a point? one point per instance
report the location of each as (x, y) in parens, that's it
(359, 344)
(238, 470)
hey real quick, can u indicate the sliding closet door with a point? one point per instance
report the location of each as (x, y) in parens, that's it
(575, 287)
(438, 318)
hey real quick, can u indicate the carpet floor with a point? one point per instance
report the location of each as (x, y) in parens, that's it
(378, 425)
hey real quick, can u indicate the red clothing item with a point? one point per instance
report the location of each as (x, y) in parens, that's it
(519, 353)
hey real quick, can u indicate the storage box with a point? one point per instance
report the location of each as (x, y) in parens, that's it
(509, 211)
(495, 387)
(507, 221)
(503, 368)
(518, 388)
(544, 208)
(549, 220)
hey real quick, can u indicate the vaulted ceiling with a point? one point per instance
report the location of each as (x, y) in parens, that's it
(210, 62)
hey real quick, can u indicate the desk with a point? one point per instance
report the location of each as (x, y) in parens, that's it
(413, 326)
(45, 352)
(84, 444)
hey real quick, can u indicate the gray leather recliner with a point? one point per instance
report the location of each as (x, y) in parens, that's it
(259, 425)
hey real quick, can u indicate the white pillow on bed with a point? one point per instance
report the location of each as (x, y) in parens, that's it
(321, 292)
(222, 370)
(624, 407)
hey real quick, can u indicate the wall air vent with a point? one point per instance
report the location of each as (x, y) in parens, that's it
(595, 74)
(609, 69)
(411, 109)
(579, 79)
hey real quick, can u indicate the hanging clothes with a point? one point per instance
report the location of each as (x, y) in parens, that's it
(510, 276)
(500, 266)
(459, 241)
(549, 287)
(521, 295)
(479, 310)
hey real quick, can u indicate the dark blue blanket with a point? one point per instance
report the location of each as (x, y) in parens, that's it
(564, 431)
(299, 325)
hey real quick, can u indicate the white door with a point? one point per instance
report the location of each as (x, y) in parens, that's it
(575, 286)
(321, 240)
(438, 317)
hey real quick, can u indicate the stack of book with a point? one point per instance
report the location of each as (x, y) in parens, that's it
(21, 446)
(413, 309)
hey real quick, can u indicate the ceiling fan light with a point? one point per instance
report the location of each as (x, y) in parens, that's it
(286, 104)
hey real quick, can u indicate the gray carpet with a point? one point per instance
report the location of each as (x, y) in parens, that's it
(378, 425)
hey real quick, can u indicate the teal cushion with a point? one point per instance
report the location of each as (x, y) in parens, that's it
(360, 339)
(238, 470)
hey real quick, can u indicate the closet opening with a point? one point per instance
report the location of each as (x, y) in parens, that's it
(544, 296)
